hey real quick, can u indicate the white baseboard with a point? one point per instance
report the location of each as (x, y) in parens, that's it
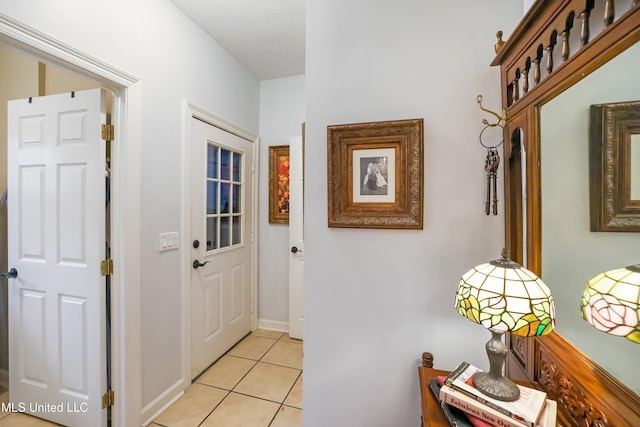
(273, 325)
(162, 402)
(4, 378)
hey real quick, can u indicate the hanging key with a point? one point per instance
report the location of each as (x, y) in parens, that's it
(495, 162)
(488, 167)
(492, 162)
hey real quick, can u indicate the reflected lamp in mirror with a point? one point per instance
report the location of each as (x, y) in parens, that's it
(503, 296)
(611, 302)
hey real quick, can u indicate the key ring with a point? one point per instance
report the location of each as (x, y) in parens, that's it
(483, 130)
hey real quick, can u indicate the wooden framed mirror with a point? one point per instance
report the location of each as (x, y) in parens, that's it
(558, 50)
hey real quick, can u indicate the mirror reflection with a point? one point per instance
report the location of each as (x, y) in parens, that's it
(571, 253)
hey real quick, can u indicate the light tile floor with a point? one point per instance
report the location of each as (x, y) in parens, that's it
(258, 383)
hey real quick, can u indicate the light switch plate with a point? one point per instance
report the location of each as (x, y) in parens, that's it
(168, 241)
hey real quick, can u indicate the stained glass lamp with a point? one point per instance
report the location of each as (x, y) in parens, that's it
(503, 296)
(611, 302)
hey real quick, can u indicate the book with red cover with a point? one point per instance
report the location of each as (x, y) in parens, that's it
(475, 421)
(526, 409)
(490, 416)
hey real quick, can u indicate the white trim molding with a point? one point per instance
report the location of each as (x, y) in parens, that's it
(27, 39)
(273, 325)
(217, 121)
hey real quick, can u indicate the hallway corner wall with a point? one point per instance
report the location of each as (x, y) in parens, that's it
(281, 116)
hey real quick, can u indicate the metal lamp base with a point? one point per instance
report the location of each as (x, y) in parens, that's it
(493, 383)
(500, 388)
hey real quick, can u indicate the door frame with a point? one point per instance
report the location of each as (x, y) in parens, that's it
(191, 111)
(125, 201)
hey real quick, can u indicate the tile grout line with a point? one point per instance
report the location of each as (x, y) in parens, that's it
(228, 392)
(214, 408)
(292, 385)
(281, 404)
(291, 389)
(287, 394)
(238, 382)
(275, 415)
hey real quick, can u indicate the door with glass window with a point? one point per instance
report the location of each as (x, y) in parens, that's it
(221, 234)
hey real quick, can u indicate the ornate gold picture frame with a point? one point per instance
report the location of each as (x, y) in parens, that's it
(615, 166)
(375, 174)
(279, 184)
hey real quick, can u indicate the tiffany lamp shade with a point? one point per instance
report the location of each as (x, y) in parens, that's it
(503, 296)
(611, 302)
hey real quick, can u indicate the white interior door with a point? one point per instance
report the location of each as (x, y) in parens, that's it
(221, 236)
(56, 214)
(296, 237)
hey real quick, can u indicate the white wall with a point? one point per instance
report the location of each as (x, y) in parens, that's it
(528, 4)
(281, 117)
(376, 299)
(174, 60)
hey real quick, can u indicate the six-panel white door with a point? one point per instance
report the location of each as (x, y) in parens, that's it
(221, 184)
(56, 208)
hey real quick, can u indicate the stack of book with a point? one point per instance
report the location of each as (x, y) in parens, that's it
(465, 406)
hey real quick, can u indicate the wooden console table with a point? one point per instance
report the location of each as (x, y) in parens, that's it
(432, 415)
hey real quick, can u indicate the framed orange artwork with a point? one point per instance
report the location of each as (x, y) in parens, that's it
(279, 184)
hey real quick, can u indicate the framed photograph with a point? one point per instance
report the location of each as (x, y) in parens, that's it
(375, 174)
(614, 168)
(279, 184)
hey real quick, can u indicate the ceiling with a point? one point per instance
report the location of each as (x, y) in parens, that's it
(266, 36)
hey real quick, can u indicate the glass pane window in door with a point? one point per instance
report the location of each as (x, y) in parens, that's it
(236, 227)
(224, 204)
(225, 164)
(237, 159)
(225, 197)
(212, 161)
(237, 190)
(225, 231)
(212, 233)
(212, 197)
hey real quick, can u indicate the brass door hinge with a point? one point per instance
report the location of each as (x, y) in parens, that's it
(108, 399)
(106, 267)
(107, 132)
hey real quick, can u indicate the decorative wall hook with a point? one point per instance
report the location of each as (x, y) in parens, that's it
(492, 160)
(502, 119)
